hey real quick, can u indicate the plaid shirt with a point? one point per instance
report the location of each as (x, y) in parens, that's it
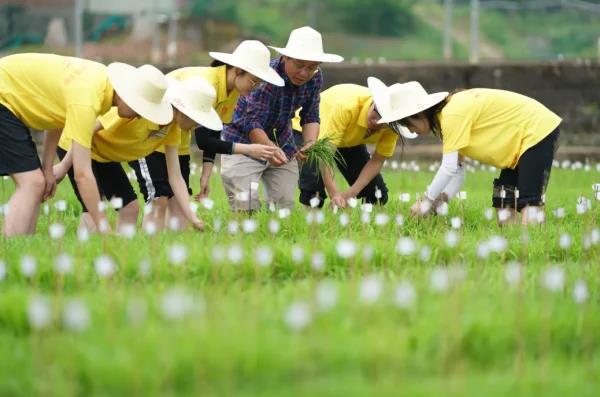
(272, 108)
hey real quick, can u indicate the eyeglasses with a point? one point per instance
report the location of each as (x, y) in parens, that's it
(309, 69)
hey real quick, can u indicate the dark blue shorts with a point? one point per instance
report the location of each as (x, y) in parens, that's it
(111, 180)
(153, 177)
(17, 150)
(530, 176)
(355, 158)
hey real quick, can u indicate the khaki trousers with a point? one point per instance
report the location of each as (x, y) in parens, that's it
(241, 175)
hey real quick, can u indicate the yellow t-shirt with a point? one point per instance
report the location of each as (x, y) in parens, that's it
(128, 139)
(47, 91)
(494, 126)
(343, 110)
(224, 104)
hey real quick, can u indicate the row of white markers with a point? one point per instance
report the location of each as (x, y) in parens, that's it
(178, 303)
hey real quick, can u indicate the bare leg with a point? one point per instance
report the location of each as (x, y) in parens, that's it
(87, 222)
(34, 219)
(24, 204)
(176, 215)
(530, 215)
(128, 215)
(507, 216)
(158, 213)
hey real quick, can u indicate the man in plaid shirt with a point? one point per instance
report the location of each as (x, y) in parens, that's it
(265, 117)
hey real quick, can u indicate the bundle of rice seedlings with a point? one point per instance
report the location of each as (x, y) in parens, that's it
(324, 153)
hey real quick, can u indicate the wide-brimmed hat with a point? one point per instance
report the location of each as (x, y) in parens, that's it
(143, 90)
(194, 98)
(253, 57)
(307, 44)
(399, 101)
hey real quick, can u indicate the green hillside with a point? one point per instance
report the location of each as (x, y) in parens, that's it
(407, 29)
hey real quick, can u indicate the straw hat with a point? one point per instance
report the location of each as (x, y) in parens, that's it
(307, 44)
(400, 101)
(143, 90)
(253, 57)
(194, 98)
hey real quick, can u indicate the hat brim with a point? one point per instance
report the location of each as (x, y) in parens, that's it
(304, 56)
(378, 92)
(431, 100)
(122, 77)
(269, 75)
(209, 119)
(404, 132)
(408, 134)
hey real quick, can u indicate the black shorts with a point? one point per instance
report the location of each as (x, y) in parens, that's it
(153, 177)
(111, 179)
(530, 176)
(17, 150)
(355, 157)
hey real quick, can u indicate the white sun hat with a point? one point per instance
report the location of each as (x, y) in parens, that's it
(194, 97)
(399, 101)
(143, 90)
(253, 57)
(306, 44)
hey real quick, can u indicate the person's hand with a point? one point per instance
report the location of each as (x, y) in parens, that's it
(204, 189)
(197, 224)
(279, 158)
(50, 188)
(301, 154)
(59, 172)
(422, 208)
(260, 152)
(338, 200)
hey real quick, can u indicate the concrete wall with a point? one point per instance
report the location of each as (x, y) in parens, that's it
(571, 89)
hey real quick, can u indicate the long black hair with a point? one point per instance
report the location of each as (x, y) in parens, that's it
(433, 116)
(216, 63)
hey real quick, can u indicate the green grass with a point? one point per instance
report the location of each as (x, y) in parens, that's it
(425, 43)
(543, 35)
(481, 336)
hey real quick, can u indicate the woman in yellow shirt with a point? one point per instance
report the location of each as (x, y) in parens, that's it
(501, 128)
(349, 119)
(232, 75)
(62, 95)
(117, 140)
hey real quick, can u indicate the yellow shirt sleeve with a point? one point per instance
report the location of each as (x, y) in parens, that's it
(173, 137)
(456, 132)
(79, 124)
(387, 144)
(335, 124)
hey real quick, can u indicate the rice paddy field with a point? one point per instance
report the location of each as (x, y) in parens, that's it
(365, 301)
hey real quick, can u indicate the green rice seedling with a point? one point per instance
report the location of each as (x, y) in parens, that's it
(324, 153)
